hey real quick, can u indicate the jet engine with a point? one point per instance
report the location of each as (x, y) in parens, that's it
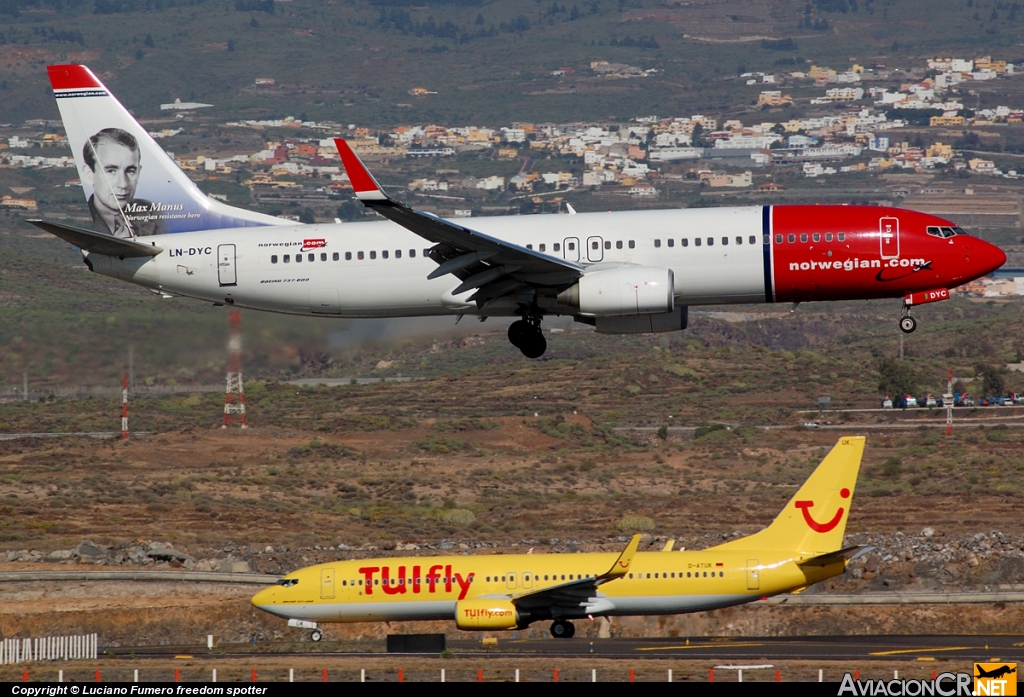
(622, 290)
(485, 613)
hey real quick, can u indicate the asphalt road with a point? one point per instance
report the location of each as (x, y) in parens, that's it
(723, 650)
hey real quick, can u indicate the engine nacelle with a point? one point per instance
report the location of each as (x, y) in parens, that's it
(485, 613)
(622, 290)
(643, 324)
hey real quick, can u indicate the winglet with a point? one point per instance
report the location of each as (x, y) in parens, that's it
(365, 186)
(621, 566)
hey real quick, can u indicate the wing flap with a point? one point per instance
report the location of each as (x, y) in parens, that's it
(97, 242)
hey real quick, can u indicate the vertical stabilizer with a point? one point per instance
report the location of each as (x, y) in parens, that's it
(132, 186)
(813, 522)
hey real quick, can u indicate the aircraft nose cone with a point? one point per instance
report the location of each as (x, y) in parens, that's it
(263, 598)
(991, 257)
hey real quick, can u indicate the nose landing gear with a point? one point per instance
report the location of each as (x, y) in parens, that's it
(907, 323)
(525, 335)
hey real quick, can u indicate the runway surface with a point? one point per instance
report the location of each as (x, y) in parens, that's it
(981, 648)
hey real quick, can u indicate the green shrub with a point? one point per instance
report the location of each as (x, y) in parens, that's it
(636, 523)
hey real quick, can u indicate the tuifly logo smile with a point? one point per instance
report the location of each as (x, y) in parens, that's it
(805, 508)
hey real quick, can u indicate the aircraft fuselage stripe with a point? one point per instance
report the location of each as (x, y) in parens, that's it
(766, 231)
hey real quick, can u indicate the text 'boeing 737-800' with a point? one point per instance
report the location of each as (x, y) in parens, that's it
(622, 272)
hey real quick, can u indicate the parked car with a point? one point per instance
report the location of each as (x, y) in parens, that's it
(887, 402)
(910, 401)
(930, 401)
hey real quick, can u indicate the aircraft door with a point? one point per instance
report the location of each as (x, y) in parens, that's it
(510, 583)
(753, 575)
(571, 249)
(889, 237)
(226, 265)
(528, 579)
(327, 582)
(595, 249)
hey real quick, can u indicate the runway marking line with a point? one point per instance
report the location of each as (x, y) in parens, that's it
(927, 650)
(699, 646)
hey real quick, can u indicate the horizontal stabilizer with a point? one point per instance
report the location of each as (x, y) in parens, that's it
(844, 555)
(98, 242)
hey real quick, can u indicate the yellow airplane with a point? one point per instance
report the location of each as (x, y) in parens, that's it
(497, 592)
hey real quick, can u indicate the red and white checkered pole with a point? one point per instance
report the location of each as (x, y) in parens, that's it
(124, 407)
(235, 389)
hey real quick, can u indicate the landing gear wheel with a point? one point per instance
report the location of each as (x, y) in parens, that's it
(534, 344)
(562, 629)
(518, 331)
(908, 324)
(317, 635)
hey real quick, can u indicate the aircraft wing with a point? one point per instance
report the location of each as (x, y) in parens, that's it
(97, 242)
(494, 267)
(577, 593)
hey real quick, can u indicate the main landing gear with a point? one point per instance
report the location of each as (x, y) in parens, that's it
(907, 323)
(525, 335)
(562, 629)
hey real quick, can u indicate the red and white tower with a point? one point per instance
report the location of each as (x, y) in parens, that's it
(947, 401)
(124, 407)
(234, 393)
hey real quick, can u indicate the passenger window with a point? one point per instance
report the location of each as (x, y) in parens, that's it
(684, 242)
(426, 252)
(618, 244)
(632, 244)
(373, 254)
(287, 258)
(595, 245)
(791, 238)
(529, 246)
(711, 241)
(739, 240)
(816, 237)
(273, 258)
(828, 236)
(657, 243)
(557, 247)
(542, 247)
(607, 245)
(671, 242)
(841, 237)
(298, 258)
(572, 246)
(336, 256)
(348, 256)
(323, 256)
(412, 253)
(311, 257)
(384, 254)
(725, 241)
(398, 254)
(360, 256)
(778, 239)
(803, 237)
(766, 239)
(696, 241)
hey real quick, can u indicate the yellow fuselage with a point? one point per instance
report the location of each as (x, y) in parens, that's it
(428, 588)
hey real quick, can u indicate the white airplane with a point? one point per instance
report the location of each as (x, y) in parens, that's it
(624, 273)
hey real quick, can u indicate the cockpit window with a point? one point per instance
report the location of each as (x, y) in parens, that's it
(288, 582)
(944, 232)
